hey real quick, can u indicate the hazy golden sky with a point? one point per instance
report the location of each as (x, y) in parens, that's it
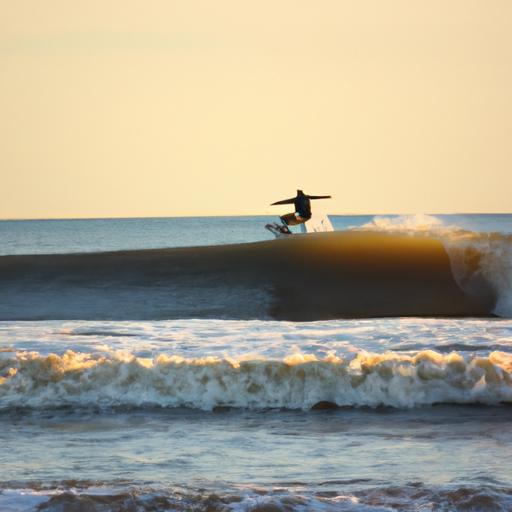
(115, 108)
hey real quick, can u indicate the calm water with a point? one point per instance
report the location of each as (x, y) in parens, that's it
(209, 414)
(92, 235)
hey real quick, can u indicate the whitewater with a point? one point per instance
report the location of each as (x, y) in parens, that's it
(233, 408)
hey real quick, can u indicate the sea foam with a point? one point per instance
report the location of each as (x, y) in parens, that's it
(297, 382)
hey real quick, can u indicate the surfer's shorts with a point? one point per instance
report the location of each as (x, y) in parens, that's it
(299, 218)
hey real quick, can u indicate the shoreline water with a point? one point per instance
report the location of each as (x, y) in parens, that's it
(380, 459)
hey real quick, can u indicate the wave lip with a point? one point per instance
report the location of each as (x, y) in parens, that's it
(317, 276)
(297, 382)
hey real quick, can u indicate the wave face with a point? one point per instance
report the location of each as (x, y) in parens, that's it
(350, 274)
(481, 262)
(300, 381)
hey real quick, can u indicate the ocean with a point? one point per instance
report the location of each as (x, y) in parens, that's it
(199, 364)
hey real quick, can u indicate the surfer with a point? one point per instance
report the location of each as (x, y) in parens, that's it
(302, 204)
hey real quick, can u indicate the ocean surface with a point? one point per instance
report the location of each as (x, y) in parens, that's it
(199, 364)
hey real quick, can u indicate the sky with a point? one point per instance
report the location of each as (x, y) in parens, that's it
(131, 108)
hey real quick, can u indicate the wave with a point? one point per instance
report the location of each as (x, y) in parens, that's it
(318, 276)
(481, 262)
(301, 381)
(348, 497)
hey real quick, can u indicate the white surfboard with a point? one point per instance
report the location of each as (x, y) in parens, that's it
(317, 224)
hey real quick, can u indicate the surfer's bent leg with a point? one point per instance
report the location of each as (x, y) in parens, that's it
(292, 219)
(289, 219)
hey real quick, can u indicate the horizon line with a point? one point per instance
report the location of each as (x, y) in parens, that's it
(352, 214)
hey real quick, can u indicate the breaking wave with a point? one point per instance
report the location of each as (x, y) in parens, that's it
(301, 381)
(318, 276)
(481, 262)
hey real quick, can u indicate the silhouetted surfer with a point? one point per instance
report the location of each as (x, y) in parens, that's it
(302, 204)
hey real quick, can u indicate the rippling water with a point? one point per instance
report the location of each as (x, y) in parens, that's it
(209, 414)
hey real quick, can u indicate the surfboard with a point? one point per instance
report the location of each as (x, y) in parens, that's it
(317, 224)
(279, 230)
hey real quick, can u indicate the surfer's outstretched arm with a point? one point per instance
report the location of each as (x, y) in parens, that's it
(285, 201)
(320, 197)
(300, 197)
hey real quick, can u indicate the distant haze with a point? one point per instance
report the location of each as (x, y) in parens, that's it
(164, 108)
